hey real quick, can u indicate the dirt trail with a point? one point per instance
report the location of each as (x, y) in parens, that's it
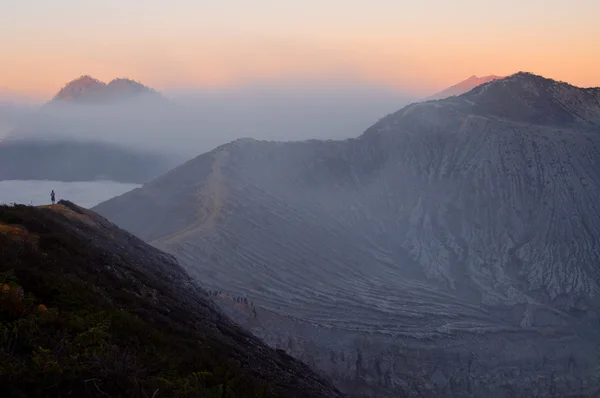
(209, 203)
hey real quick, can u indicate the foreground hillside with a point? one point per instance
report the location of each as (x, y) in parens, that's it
(451, 250)
(87, 309)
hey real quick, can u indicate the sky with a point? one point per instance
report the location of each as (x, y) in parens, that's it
(418, 47)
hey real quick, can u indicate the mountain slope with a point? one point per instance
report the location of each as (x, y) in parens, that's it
(448, 245)
(87, 309)
(463, 87)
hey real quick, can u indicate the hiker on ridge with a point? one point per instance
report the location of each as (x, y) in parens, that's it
(52, 196)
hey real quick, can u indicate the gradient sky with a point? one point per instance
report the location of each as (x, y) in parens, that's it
(418, 46)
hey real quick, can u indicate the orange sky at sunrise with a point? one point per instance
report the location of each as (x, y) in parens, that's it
(414, 48)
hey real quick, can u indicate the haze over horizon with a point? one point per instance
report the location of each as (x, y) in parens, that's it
(187, 45)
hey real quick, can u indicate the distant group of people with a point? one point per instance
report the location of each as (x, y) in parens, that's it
(240, 300)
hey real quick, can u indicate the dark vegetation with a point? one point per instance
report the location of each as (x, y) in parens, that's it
(88, 310)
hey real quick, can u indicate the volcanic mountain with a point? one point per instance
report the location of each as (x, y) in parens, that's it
(450, 250)
(463, 87)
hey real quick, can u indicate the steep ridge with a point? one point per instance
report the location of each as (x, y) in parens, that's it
(89, 310)
(448, 246)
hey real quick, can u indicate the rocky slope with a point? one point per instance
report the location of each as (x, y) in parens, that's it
(450, 250)
(463, 87)
(87, 309)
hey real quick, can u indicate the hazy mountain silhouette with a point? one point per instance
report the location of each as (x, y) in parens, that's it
(463, 87)
(88, 90)
(451, 243)
(82, 135)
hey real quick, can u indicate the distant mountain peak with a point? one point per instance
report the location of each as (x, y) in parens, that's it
(87, 89)
(86, 79)
(463, 87)
(82, 87)
(125, 82)
(532, 78)
(122, 87)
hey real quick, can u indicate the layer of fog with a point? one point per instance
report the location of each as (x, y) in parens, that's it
(85, 194)
(188, 123)
(13, 111)
(292, 113)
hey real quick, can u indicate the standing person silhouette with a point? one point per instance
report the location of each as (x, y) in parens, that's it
(52, 196)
